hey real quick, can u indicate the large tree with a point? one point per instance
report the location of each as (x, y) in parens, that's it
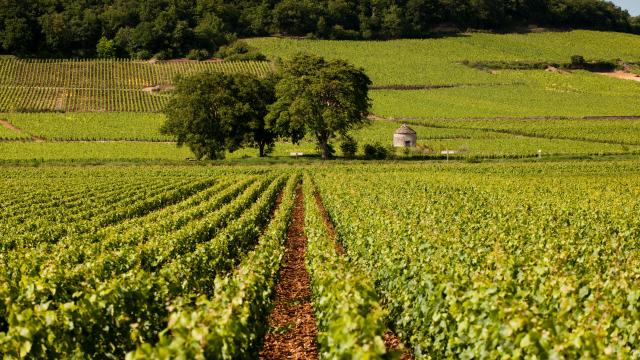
(321, 98)
(213, 113)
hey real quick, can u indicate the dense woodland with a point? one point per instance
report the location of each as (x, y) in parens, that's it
(174, 28)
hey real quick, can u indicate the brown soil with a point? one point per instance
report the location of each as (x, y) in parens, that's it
(158, 88)
(292, 325)
(553, 69)
(621, 75)
(394, 344)
(182, 60)
(9, 126)
(61, 100)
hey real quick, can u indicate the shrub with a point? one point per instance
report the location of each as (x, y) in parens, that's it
(240, 51)
(349, 147)
(577, 61)
(198, 54)
(106, 48)
(375, 151)
(142, 55)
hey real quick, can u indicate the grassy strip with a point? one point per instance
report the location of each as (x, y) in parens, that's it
(232, 324)
(350, 319)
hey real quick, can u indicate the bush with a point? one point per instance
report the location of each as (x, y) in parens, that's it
(198, 54)
(349, 147)
(142, 55)
(240, 51)
(163, 55)
(375, 151)
(577, 61)
(106, 48)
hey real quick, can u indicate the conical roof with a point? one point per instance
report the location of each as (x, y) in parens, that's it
(405, 130)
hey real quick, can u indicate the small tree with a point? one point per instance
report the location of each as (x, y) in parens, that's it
(577, 61)
(375, 151)
(349, 147)
(213, 113)
(319, 97)
(106, 48)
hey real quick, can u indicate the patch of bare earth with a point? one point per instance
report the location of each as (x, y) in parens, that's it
(293, 331)
(9, 126)
(158, 88)
(391, 341)
(621, 75)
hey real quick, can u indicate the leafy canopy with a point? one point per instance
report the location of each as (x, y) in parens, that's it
(213, 113)
(320, 98)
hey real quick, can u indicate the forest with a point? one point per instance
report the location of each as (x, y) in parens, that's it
(142, 29)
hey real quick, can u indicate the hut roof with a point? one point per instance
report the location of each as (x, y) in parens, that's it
(404, 129)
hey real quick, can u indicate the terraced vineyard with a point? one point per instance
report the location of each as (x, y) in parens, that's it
(98, 85)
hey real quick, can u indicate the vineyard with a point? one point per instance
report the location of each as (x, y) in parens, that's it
(473, 264)
(444, 87)
(136, 136)
(438, 61)
(511, 231)
(182, 262)
(98, 85)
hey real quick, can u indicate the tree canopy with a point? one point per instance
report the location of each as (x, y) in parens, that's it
(174, 28)
(320, 98)
(213, 113)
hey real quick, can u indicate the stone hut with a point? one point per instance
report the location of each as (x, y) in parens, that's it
(405, 137)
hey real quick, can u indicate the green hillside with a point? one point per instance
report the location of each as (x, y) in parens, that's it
(478, 93)
(438, 61)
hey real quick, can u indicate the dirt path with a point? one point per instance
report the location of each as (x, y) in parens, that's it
(292, 325)
(9, 126)
(621, 75)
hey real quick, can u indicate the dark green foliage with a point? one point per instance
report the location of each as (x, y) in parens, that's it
(577, 60)
(195, 54)
(375, 152)
(106, 48)
(213, 113)
(320, 98)
(171, 28)
(240, 51)
(349, 147)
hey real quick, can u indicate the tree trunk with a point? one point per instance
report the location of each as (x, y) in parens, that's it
(325, 150)
(261, 147)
